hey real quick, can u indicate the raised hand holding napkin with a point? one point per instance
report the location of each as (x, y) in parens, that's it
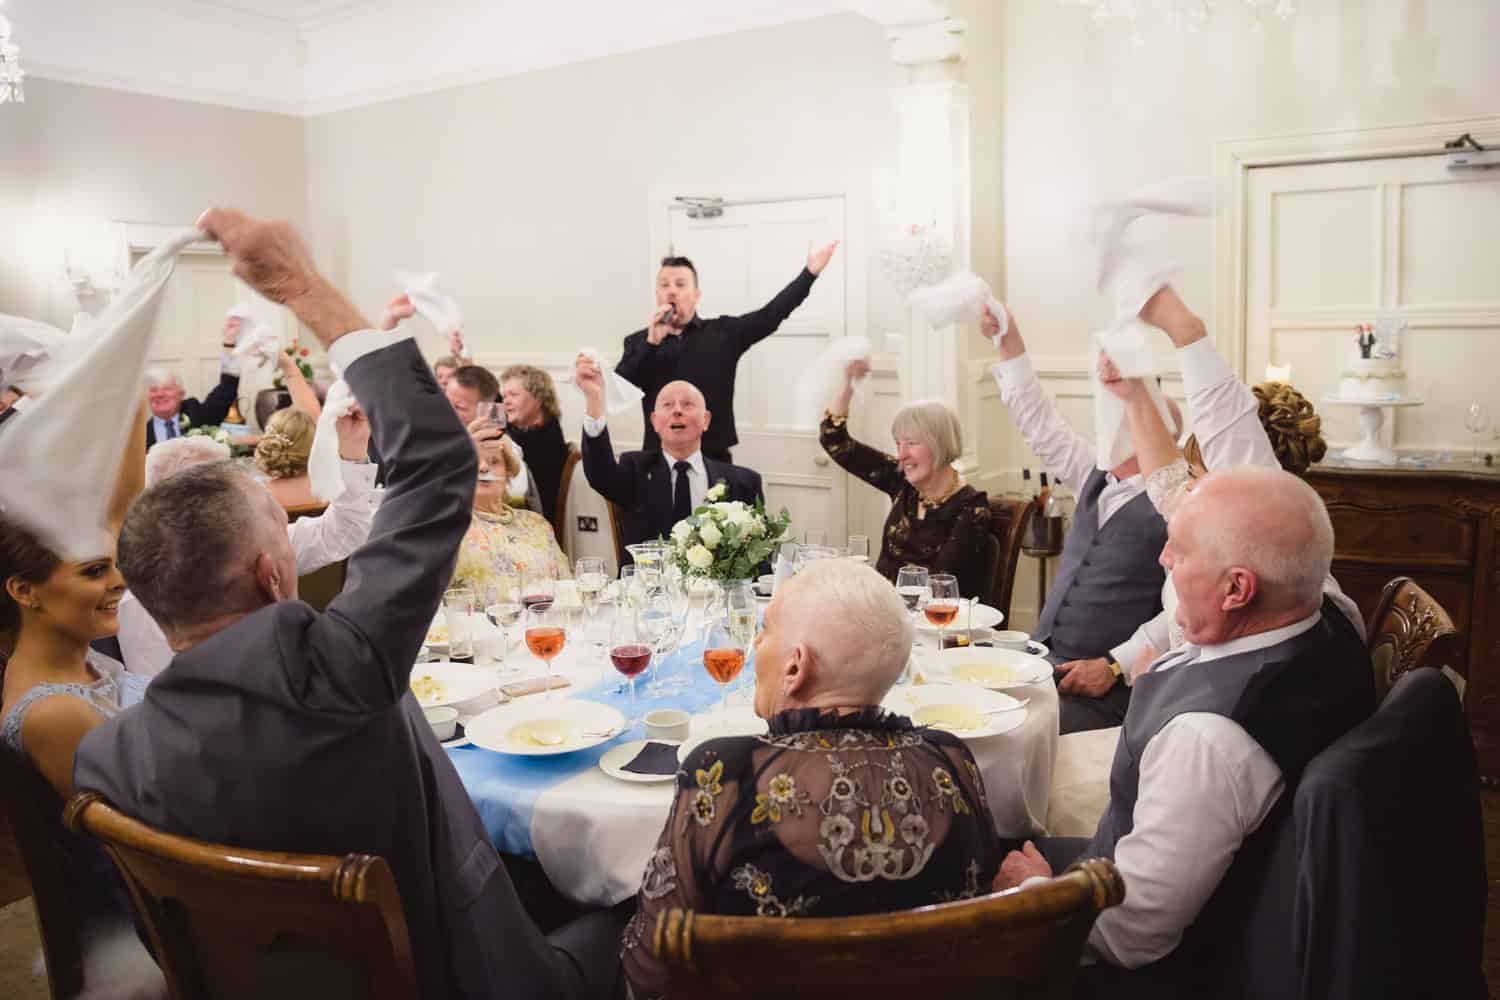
(323, 460)
(1128, 346)
(438, 309)
(959, 298)
(824, 376)
(620, 393)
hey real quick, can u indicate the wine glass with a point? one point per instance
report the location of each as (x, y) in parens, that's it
(911, 584)
(942, 602)
(630, 651)
(744, 616)
(493, 413)
(546, 634)
(654, 619)
(504, 612)
(538, 583)
(723, 658)
(859, 548)
(1476, 422)
(591, 577)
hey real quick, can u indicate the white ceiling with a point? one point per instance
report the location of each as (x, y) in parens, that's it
(315, 56)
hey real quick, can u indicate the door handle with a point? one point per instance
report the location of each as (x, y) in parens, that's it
(821, 461)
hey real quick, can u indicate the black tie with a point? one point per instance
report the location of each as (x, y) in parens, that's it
(682, 500)
(171, 426)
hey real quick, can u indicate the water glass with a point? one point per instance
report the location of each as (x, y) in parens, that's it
(859, 548)
(456, 603)
(538, 583)
(654, 619)
(911, 584)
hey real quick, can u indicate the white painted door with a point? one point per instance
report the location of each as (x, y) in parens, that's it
(1330, 245)
(743, 259)
(190, 323)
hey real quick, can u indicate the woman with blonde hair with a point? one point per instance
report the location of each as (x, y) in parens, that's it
(282, 455)
(936, 520)
(534, 421)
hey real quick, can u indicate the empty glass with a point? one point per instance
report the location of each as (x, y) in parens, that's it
(859, 548)
(1476, 422)
(655, 622)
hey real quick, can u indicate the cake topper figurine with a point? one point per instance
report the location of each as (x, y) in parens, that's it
(1366, 340)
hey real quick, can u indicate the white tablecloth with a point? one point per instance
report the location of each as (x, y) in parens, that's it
(592, 833)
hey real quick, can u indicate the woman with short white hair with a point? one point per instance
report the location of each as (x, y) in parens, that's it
(936, 519)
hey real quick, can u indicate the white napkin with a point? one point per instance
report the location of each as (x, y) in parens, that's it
(1130, 274)
(824, 376)
(959, 298)
(1128, 346)
(60, 457)
(438, 309)
(25, 349)
(323, 460)
(619, 392)
(255, 337)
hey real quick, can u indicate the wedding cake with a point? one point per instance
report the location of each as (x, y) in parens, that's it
(1375, 379)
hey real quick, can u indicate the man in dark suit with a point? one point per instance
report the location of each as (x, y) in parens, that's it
(168, 407)
(657, 488)
(275, 727)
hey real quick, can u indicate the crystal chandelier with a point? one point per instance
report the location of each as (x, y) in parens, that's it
(10, 67)
(1179, 15)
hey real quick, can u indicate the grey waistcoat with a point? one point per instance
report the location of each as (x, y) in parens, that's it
(1108, 579)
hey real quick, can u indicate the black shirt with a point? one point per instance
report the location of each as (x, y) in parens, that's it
(706, 354)
(545, 452)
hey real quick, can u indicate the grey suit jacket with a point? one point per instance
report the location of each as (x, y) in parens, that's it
(296, 731)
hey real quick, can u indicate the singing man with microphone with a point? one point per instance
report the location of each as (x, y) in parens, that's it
(679, 345)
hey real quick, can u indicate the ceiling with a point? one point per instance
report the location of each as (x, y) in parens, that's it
(307, 57)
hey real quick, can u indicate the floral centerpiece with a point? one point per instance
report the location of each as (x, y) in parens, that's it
(725, 540)
(213, 431)
(299, 356)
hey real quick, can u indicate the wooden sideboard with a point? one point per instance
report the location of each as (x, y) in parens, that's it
(1441, 527)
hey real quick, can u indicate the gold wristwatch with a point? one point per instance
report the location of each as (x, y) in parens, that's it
(1114, 665)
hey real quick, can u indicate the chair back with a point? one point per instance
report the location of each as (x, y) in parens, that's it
(232, 923)
(22, 788)
(1407, 625)
(1032, 939)
(560, 519)
(1008, 525)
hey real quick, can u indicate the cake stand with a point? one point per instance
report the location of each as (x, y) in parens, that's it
(1371, 416)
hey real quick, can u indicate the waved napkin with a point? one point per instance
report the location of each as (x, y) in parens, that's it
(254, 337)
(1128, 346)
(1132, 275)
(824, 376)
(438, 309)
(323, 461)
(619, 392)
(26, 347)
(958, 298)
(87, 416)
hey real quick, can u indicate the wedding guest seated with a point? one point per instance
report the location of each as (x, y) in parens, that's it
(277, 727)
(501, 538)
(534, 421)
(316, 541)
(54, 688)
(281, 456)
(936, 520)
(656, 489)
(472, 387)
(799, 823)
(10, 396)
(1217, 733)
(172, 414)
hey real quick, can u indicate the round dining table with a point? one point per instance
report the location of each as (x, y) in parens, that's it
(592, 833)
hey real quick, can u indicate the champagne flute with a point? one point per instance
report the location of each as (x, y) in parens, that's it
(744, 618)
(630, 651)
(591, 577)
(654, 619)
(723, 658)
(942, 602)
(538, 584)
(1476, 422)
(546, 634)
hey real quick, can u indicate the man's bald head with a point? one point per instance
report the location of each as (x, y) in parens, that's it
(1250, 547)
(680, 417)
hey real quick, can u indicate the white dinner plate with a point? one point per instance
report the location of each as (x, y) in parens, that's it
(961, 709)
(995, 669)
(982, 616)
(455, 683)
(614, 760)
(515, 728)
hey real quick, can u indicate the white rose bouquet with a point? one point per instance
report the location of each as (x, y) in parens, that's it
(725, 540)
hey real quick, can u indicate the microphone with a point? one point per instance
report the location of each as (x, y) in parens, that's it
(671, 315)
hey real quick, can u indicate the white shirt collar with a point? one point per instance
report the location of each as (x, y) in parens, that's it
(1261, 640)
(695, 460)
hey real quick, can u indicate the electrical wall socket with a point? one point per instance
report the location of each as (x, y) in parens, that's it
(588, 523)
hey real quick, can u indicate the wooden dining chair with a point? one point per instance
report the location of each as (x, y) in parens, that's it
(22, 788)
(558, 521)
(1031, 939)
(230, 923)
(1407, 627)
(1008, 525)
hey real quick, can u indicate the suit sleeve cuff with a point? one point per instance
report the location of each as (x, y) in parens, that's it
(1202, 367)
(1013, 373)
(353, 346)
(594, 426)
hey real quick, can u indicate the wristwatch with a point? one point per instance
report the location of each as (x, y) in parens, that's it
(1114, 665)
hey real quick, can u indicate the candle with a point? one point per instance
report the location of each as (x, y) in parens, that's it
(1278, 373)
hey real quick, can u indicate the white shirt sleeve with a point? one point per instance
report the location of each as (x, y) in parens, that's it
(1153, 633)
(1068, 455)
(229, 364)
(1205, 786)
(594, 426)
(352, 346)
(142, 645)
(1224, 412)
(342, 528)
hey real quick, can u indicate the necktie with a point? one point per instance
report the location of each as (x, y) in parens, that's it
(171, 426)
(682, 501)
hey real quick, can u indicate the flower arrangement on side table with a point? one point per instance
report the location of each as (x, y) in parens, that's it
(725, 540)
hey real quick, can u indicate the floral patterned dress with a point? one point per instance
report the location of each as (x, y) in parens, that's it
(494, 546)
(824, 816)
(948, 538)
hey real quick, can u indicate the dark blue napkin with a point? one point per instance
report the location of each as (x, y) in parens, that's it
(654, 758)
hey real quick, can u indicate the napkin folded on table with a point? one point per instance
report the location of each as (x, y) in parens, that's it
(87, 415)
(619, 392)
(654, 758)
